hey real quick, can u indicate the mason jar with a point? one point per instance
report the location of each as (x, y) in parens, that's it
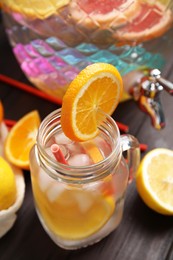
(80, 199)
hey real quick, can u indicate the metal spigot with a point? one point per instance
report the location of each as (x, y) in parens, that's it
(147, 93)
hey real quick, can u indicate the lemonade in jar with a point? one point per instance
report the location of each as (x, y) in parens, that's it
(54, 40)
(79, 175)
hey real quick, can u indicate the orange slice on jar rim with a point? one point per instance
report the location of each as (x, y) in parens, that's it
(94, 13)
(96, 88)
(150, 21)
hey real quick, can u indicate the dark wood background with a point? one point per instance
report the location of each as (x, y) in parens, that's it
(142, 234)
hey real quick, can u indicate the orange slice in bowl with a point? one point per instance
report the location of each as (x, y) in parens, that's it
(21, 138)
(97, 88)
(151, 21)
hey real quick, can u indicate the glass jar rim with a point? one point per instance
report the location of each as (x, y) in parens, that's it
(78, 173)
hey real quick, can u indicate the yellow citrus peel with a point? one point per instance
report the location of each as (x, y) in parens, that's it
(154, 180)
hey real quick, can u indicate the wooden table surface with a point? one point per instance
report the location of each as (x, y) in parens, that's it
(142, 234)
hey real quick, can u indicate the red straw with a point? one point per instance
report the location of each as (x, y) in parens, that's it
(122, 127)
(29, 89)
(58, 154)
(9, 123)
(143, 147)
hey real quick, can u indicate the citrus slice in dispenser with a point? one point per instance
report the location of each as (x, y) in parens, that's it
(103, 12)
(21, 138)
(34, 9)
(96, 90)
(151, 21)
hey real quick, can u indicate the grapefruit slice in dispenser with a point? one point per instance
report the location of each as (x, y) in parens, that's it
(94, 13)
(151, 21)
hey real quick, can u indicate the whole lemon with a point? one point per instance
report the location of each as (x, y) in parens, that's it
(7, 185)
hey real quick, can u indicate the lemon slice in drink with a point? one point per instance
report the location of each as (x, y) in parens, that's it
(96, 88)
(154, 180)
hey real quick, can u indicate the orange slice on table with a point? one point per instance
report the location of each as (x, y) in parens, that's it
(21, 138)
(96, 88)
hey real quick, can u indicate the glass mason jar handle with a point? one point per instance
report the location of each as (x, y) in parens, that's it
(130, 145)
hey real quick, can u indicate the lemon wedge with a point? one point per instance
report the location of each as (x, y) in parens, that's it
(154, 180)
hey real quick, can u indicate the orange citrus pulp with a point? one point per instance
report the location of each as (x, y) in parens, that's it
(21, 138)
(93, 152)
(96, 88)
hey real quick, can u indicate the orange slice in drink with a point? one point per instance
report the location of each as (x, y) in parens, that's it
(106, 187)
(97, 88)
(151, 21)
(93, 151)
(21, 138)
